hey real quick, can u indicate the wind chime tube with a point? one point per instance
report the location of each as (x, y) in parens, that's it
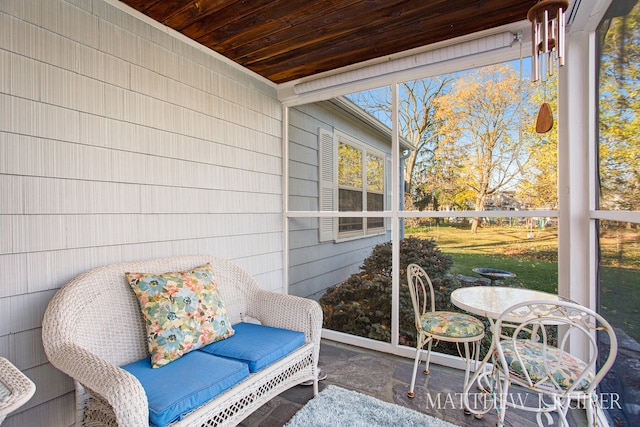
(552, 49)
(534, 56)
(545, 32)
(545, 51)
(560, 37)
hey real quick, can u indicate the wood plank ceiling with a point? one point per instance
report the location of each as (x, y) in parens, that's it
(285, 40)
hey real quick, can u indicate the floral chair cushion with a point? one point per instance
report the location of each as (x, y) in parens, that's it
(183, 312)
(565, 372)
(450, 324)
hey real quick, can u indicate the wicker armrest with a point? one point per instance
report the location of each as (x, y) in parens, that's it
(17, 387)
(289, 312)
(119, 388)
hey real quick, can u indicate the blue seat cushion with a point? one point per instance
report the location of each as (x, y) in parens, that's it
(256, 345)
(184, 384)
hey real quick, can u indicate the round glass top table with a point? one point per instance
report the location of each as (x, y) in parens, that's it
(491, 301)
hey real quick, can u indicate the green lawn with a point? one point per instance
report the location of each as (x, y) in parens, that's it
(533, 258)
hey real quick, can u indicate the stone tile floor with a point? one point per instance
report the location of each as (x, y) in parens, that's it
(387, 378)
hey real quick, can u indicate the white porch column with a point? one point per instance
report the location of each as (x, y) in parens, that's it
(575, 136)
(575, 111)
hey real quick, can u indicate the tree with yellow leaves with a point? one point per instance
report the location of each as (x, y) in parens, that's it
(481, 131)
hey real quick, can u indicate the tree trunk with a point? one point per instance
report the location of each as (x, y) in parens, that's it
(474, 225)
(479, 206)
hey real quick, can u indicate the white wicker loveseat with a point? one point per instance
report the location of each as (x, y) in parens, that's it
(93, 325)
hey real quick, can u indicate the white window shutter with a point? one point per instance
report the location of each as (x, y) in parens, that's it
(327, 181)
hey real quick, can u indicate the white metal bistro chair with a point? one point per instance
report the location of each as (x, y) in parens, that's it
(523, 356)
(459, 328)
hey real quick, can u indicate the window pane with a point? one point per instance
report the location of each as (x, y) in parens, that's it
(471, 157)
(326, 253)
(350, 224)
(375, 202)
(619, 112)
(619, 290)
(375, 173)
(350, 200)
(618, 153)
(349, 166)
(526, 247)
(525, 251)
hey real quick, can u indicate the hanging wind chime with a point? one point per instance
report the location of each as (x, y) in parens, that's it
(547, 27)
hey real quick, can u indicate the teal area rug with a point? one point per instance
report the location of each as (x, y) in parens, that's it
(335, 406)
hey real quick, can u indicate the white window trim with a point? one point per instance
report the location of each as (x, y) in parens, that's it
(328, 196)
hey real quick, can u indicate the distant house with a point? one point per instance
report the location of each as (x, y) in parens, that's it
(503, 201)
(339, 160)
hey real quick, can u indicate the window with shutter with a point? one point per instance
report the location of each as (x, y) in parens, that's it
(351, 178)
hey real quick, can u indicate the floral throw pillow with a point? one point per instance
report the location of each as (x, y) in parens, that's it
(183, 311)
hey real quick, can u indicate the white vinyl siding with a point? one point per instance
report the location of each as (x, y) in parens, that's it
(118, 142)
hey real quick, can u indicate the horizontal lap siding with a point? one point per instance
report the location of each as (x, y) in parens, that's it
(120, 141)
(316, 266)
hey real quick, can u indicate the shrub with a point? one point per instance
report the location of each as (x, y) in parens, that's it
(361, 305)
